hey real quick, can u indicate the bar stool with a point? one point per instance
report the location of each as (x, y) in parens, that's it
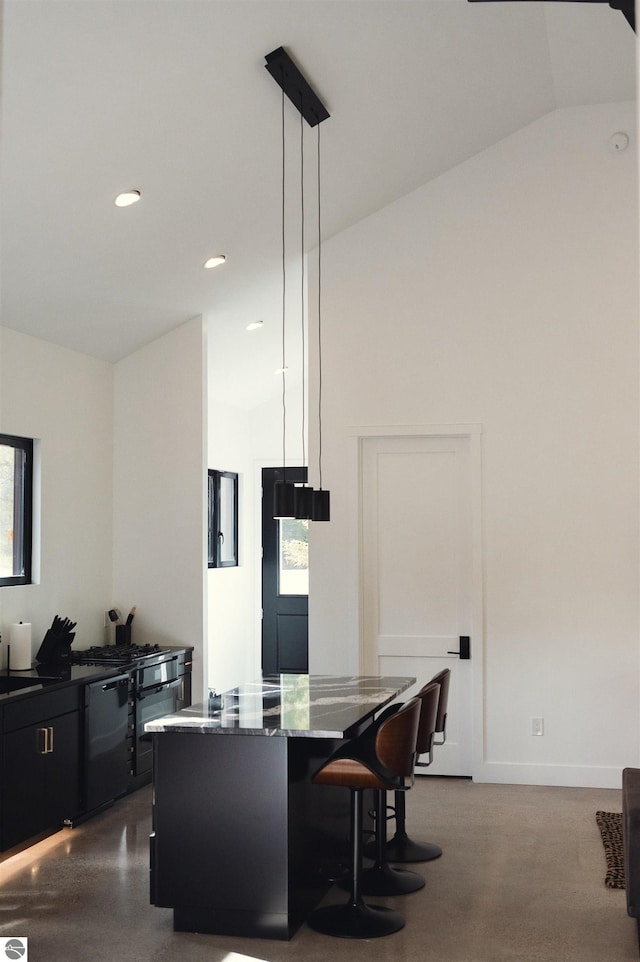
(382, 758)
(401, 848)
(382, 879)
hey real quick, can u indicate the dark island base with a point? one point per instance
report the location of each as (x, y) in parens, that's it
(213, 922)
(244, 844)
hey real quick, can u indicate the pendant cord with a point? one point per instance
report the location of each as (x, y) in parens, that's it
(284, 406)
(319, 324)
(304, 452)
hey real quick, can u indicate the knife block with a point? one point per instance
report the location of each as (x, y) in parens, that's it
(55, 649)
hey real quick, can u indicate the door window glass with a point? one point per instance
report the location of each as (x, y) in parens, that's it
(294, 557)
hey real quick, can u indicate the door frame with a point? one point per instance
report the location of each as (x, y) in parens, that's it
(473, 432)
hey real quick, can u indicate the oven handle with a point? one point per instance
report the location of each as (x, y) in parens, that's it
(114, 684)
(158, 688)
(166, 661)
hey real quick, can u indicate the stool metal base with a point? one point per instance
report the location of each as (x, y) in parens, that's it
(385, 880)
(403, 849)
(355, 921)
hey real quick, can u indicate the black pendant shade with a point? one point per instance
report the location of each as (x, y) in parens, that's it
(304, 502)
(320, 510)
(284, 499)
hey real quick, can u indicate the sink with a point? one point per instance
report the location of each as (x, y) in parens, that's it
(15, 684)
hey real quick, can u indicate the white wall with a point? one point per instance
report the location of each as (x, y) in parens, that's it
(65, 400)
(505, 293)
(231, 590)
(244, 441)
(159, 556)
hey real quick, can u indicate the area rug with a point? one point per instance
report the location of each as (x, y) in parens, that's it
(610, 825)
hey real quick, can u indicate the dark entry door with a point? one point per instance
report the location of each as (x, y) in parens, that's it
(285, 583)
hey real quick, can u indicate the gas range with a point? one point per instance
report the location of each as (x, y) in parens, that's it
(138, 684)
(116, 654)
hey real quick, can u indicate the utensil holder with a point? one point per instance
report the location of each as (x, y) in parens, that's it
(123, 634)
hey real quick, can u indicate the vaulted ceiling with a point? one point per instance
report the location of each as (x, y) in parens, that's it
(171, 97)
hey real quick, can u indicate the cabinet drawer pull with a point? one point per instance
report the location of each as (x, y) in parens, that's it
(45, 747)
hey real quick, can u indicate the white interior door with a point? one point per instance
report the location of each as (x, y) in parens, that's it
(417, 572)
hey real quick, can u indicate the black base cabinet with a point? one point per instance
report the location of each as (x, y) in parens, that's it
(41, 766)
(243, 843)
(69, 750)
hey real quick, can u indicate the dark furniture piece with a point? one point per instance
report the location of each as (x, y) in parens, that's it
(631, 841)
(106, 748)
(382, 760)
(401, 848)
(68, 745)
(382, 879)
(41, 764)
(243, 843)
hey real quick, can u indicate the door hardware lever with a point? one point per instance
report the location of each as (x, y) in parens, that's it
(465, 648)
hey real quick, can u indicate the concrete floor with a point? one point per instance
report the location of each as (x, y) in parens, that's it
(521, 878)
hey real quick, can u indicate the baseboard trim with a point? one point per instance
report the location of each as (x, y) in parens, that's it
(569, 776)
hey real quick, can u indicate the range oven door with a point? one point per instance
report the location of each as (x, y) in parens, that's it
(152, 703)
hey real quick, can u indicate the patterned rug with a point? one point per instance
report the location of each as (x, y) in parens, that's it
(610, 825)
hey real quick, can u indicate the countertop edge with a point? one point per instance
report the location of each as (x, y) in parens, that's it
(201, 719)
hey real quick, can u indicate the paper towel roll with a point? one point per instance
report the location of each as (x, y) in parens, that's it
(20, 640)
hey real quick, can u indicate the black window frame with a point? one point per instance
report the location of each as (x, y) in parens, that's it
(23, 521)
(217, 537)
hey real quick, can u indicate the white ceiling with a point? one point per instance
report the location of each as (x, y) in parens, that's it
(172, 98)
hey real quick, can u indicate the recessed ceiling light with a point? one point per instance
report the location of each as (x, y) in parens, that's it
(281, 370)
(128, 198)
(215, 261)
(255, 325)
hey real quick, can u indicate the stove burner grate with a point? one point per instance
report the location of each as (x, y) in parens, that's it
(113, 654)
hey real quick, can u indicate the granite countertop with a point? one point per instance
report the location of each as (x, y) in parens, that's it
(42, 677)
(321, 706)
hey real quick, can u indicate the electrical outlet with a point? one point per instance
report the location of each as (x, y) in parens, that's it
(537, 726)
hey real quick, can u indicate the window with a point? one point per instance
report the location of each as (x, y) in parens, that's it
(223, 519)
(16, 507)
(294, 557)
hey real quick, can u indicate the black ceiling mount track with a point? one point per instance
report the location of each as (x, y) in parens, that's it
(302, 96)
(626, 7)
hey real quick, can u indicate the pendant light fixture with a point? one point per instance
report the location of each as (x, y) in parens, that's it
(320, 502)
(304, 494)
(303, 502)
(284, 491)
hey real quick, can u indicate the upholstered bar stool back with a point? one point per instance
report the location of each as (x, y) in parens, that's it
(401, 848)
(382, 879)
(382, 758)
(443, 678)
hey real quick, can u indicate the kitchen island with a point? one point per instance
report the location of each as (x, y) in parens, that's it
(243, 843)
